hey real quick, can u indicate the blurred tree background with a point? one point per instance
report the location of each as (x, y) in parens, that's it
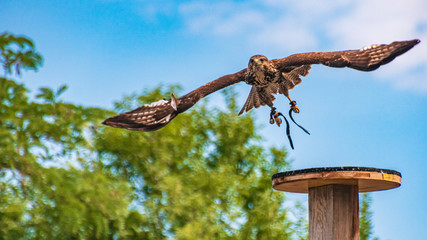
(64, 176)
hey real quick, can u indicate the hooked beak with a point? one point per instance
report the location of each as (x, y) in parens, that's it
(256, 61)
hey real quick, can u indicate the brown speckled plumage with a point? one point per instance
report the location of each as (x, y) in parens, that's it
(267, 78)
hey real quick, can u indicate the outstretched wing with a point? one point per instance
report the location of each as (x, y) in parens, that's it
(148, 117)
(151, 117)
(365, 59)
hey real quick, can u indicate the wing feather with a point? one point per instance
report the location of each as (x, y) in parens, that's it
(365, 59)
(293, 78)
(151, 117)
(148, 117)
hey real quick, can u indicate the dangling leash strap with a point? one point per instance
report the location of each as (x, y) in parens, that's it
(274, 118)
(288, 130)
(290, 115)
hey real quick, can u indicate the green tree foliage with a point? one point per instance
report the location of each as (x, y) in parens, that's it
(205, 176)
(17, 52)
(64, 176)
(365, 220)
(51, 186)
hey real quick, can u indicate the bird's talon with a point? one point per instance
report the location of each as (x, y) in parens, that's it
(274, 117)
(294, 107)
(277, 119)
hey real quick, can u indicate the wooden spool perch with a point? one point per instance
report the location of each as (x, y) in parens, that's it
(333, 196)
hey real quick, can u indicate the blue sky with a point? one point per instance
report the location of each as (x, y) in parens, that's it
(104, 49)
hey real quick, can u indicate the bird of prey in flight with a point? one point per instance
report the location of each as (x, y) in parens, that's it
(267, 78)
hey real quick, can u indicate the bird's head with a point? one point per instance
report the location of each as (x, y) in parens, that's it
(258, 62)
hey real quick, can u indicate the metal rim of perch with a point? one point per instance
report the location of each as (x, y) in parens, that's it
(366, 178)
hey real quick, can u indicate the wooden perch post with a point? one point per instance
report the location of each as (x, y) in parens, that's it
(333, 196)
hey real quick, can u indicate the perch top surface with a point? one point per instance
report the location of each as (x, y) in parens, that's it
(367, 179)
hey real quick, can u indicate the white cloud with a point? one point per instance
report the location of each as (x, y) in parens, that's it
(306, 25)
(285, 34)
(376, 21)
(256, 23)
(414, 82)
(152, 11)
(289, 26)
(223, 19)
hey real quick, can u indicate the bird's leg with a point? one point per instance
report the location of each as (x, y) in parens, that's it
(293, 104)
(274, 117)
(295, 109)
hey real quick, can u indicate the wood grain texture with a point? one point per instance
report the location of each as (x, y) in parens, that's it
(334, 212)
(367, 179)
(333, 194)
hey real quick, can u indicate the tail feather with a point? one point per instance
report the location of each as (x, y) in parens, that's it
(260, 96)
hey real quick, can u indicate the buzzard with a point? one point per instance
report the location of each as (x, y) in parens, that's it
(267, 78)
